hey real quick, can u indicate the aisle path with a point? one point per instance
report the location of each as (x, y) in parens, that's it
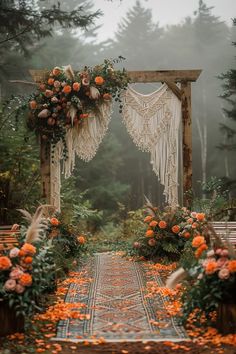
(117, 309)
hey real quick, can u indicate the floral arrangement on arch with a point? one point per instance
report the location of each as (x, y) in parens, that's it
(65, 99)
(168, 232)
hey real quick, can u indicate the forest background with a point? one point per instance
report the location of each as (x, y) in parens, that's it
(120, 175)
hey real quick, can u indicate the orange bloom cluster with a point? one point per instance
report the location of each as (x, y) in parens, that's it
(148, 218)
(198, 241)
(149, 233)
(28, 249)
(232, 266)
(162, 224)
(25, 279)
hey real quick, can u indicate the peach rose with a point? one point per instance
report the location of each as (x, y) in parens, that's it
(76, 86)
(28, 249)
(224, 273)
(232, 266)
(14, 252)
(50, 81)
(200, 216)
(198, 241)
(54, 221)
(16, 273)
(137, 244)
(152, 242)
(56, 71)
(48, 93)
(10, 285)
(162, 224)
(222, 261)
(19, 289)
(67, 89)
(211, 267)
(33, 104)
(175, 229)
(148, 218)
(186, 234)
(81, 239)
(57, 84)
(99, 80)
(153, 223)
(25, 279)
(5, 263)
(149, 233)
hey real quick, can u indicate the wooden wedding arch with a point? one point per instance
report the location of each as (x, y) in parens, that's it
(183, 78)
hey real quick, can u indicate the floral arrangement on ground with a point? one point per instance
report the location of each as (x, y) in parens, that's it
(169, 233)
(65, 99)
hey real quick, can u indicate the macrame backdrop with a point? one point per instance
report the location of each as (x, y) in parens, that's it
(153, 123)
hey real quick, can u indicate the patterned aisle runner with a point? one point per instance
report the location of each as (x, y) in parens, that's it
(116, 305)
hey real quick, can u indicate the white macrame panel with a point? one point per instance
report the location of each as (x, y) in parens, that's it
(55, 176)
(153, 123)
(84, 140)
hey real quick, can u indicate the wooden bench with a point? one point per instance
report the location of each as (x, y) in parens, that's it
(8, 237)
(226, 230)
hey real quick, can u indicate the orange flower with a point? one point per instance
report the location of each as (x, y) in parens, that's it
(186, 234)
(149, 233)
(81, 239)
(198, 241)
(99, 80)
(175, 229)
(194, 225)
(200, 216)
(25, 279)
(107, 96)
(56, 71)
(148, 218)
(33, 104)
(162, 224)
(29, 249)
(211, 267)
(199, 251)
(5, 263)
(54, 221)
(232, 266)
(76, 86)
(153, 223)
(28, 260)
(50, 81)
(67, 89)
(84, 115)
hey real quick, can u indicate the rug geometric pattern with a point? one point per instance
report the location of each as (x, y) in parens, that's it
(116, 304)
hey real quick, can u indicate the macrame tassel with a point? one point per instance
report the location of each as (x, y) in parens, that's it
(153, 123)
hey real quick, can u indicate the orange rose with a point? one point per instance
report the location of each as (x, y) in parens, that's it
(175, 229)
(200, 216)
(149, 233)
(99, 80)
(21, 253)
(198, 241)
(107, 96)
(211, 267)
(28, 260)
(148, 218)
(162, 224)
(54, 221)
(194, 225)
(28, 249)
(56, 71)
(81, 239)
(33, 104)
(199, 251)
(76, 86)
(153, 223)
(186, 234)
(5, 263)
(232, 266)
(50, 81)
(25, 279)
(67, 89)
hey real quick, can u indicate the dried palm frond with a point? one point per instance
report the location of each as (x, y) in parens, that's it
(175, 278)
(149, 206)
(69, 72)
(37, 223)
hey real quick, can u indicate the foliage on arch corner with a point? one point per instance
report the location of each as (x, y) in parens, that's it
(65, 99)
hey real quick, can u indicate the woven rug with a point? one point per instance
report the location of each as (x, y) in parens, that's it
(117, 309)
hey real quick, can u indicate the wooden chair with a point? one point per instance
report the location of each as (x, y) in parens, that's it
(226, 230)
(8, 237)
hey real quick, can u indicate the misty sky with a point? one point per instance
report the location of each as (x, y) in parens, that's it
(164, 11)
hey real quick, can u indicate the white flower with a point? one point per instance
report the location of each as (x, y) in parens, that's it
(210, 253)
(44, 113)
(14, 252)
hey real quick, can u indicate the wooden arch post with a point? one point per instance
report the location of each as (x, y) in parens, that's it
(171, 77)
